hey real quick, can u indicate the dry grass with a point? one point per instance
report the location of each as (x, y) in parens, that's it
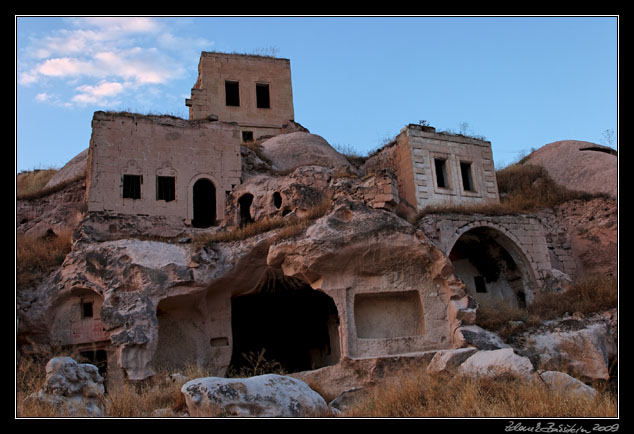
(589, 295)
(122, 399)
(290, 226)
(36, 255)
(32, 181)
(505, 396)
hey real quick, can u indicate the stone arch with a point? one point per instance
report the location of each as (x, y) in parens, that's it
(493, 263)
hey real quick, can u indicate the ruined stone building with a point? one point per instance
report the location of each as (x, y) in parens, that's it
(361, 296)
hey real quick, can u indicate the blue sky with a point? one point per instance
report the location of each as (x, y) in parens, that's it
(521, 82)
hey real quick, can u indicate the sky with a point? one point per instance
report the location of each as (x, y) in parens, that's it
(519, 81)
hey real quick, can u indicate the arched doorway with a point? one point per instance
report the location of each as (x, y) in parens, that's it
(204, 200)
(296, 326)
(493, 267)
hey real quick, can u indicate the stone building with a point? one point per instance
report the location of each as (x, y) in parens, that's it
(439, 168)
(162, 166)
(253, 91)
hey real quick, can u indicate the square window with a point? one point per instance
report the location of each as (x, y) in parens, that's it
(262, 96)
(247, 136)
(86, 309)
(441, 172)
(165, 188)
(467, 179)
(232, 93)
(132, 186)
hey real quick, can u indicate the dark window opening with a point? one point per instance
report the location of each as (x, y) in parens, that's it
(232, 93)
(277, 200)
(467, 180)
(244, 203)
(262, 96)
(86, 309)
(247, 136)
(441, 173)
(165, 188)
(132, 186)
(521, 299)
(204, 204)
(293, 326)
(479, 284)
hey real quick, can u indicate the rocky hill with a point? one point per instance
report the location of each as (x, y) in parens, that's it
(164, 292)
(579, 165)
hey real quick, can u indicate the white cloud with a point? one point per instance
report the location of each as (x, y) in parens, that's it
(95, 52)
(99, 94)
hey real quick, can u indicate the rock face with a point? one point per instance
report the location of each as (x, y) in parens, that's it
(579, 165)
(75, 389)
(261, 396)
(582, 347)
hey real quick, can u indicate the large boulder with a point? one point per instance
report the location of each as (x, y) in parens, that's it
(267, 395)
(288, 151)
(566, 384)
(74, 389)
(496, 362)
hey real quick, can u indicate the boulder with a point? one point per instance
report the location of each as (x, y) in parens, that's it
(448, 361)
(579, 165)
(267, 395)
(582, 347)
(567, 385)
(288, 151)
(74, 389)
(478, 337)
(496, 362)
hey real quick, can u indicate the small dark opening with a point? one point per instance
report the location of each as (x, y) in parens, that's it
(132, 186)
(441, 173)
(277, 200)
(245, 202)
(247, 136)
(204, 204)
(165, 188)
(262, 96)
(86, 309)
(479, 284)
(465, 171)
(99, 358)
(232, 93)
(521, 299)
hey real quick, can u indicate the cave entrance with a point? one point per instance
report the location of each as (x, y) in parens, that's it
(492, 266)
(244, 203)
(296, 326)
